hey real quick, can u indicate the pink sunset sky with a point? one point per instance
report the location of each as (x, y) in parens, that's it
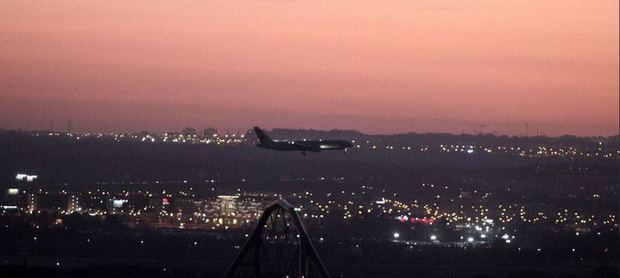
(375, 66)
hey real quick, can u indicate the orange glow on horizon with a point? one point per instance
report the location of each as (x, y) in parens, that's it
(375, 66)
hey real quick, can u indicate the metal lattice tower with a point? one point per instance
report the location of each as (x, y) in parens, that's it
(278, 247)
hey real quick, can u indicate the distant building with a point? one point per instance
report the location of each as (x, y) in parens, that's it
(233, 211)
(25, 178)
(32, 203)
(50, 202)
(209, 132)
(188, 131)
(116, 205)
(73, 204)
(10, 199)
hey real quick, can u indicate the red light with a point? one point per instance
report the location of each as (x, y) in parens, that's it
(423, 220)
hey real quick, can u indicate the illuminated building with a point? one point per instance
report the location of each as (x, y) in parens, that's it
(232, 210)
(10, 199)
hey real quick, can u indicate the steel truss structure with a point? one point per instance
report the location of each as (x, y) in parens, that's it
(278, 247)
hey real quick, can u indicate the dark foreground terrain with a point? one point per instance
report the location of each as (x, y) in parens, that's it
(582, 242)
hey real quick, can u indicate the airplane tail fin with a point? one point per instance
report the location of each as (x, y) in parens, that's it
(262, 136)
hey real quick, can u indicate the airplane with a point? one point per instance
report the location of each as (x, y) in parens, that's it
(303, 146)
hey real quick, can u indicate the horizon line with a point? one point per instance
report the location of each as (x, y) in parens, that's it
(321, 130)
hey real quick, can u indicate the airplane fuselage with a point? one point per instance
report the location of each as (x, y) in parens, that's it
(312, 146)
(303, 146)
